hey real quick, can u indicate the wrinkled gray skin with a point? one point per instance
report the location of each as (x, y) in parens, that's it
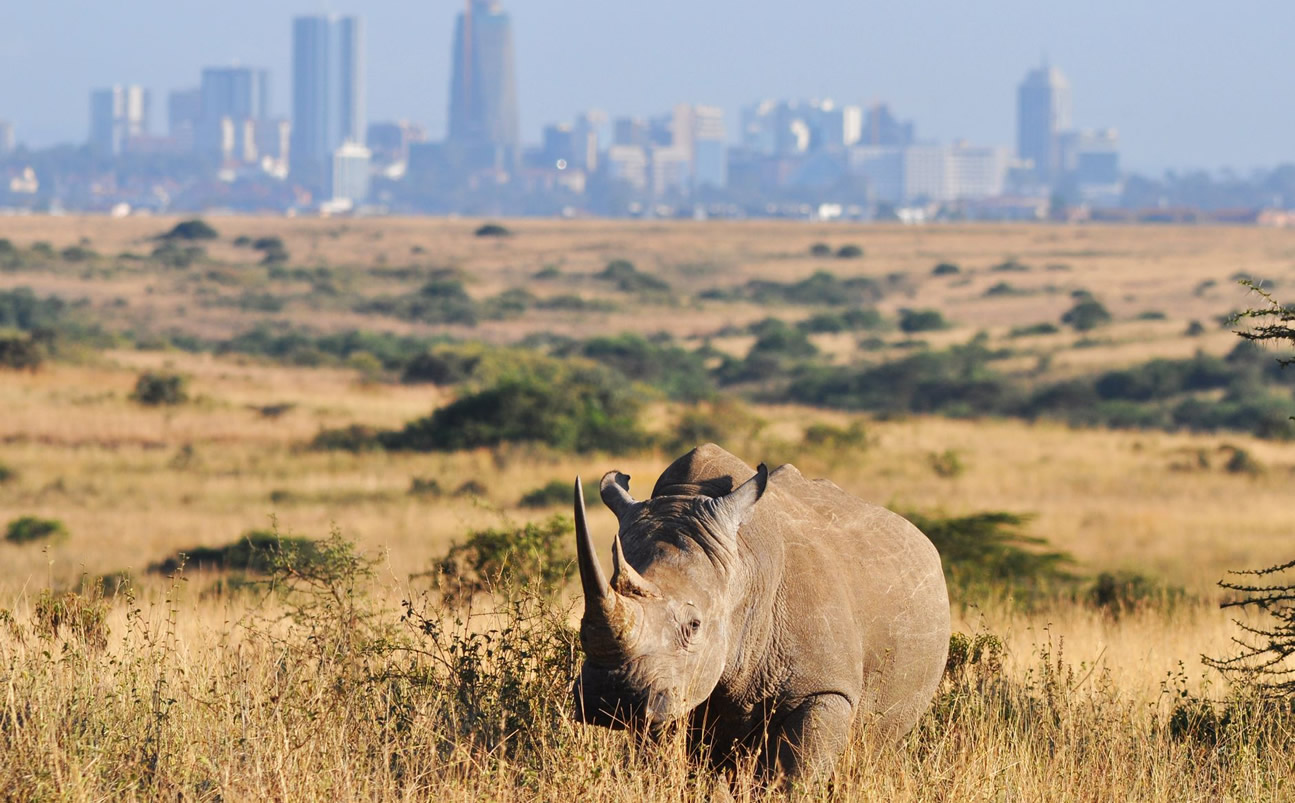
(774, 612)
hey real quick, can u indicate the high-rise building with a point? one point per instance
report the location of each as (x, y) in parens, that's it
(327, 91)
(1042, 114)
(6, 138)
(233, 100)
(483, 93)
(880, 127)
(183, 112)
(117, 114)
(351, 173)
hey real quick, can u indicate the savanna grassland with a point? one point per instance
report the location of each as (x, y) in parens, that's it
(290, 490)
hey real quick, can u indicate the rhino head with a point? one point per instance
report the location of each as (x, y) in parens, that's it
(657, 636)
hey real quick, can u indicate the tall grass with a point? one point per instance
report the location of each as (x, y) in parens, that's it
(312, 685)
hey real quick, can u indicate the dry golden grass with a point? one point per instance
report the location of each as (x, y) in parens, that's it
(199, 696)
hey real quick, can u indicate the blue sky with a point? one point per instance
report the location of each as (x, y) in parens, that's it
(1191, 83)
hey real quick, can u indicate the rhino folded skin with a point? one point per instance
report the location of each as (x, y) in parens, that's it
(785, 612)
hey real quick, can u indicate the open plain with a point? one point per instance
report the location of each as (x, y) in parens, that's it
(353, 677)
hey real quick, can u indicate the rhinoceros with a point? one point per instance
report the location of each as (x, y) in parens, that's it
(772, 611)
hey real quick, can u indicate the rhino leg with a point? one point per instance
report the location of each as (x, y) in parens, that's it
(809, 742)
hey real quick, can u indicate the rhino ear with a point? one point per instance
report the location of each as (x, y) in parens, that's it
(735, 509)
(615, 491)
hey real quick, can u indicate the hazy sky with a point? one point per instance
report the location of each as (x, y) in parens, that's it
(1186, 82)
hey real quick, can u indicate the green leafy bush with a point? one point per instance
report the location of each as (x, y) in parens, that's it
(921, 320)
(630, 279)
(20, 351)
(509, 562)
(492, 230)
(195, 229)
(987, 553)
(1087, 314)
(26, 529)
(556, 492)
(849, 251)
(945, 269)
(256, 552)
(676, 372)
(820, 250)
(570, 407)
(155, 388)
(851, 320)
(821, 288)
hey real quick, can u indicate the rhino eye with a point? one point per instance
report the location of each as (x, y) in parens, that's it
(692, 627)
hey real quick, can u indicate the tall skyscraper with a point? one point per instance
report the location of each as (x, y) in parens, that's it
(6, 138)
(327, 91)
(117, 114)
(483, 93)
(233, 99)
(1042, 114)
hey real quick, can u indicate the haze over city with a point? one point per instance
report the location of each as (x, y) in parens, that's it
(1188, 85)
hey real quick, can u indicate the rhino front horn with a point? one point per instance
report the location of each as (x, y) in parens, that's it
(611, 618)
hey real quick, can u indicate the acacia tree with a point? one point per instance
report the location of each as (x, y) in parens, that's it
(1264, 661)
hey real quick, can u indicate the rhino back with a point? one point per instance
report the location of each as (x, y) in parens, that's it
(849, 597)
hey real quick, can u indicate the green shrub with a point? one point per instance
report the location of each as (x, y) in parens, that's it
(1120, 593)
(425, 486)
(1242, 462)
(1034, 329)
(1011, 265)
(26, 529)
(190, 230)
(850, 251)
(569, 407)
(821, 288)
(1194, 329)
(20, 309)
(820, 250)
(7, 474)
(947, 464)
(1087, 314)
(536, 557)
(986, 553)
(1152, 315)
(851, 320)
(679, 374)
(556, 492)
(256, 552)
(444, 299)
(630, 279)
(548, 272)
(443, 366)
(945, 269)
(354, 438)
(242, 241)
(492, 230)
(173, 255)
(77, 253)
(20, 352)
(156, 388)
(921, 320)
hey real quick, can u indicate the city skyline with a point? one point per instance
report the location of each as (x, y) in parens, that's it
(1196, 104)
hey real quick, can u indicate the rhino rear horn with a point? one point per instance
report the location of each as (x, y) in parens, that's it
(735, 509)
(615, 491)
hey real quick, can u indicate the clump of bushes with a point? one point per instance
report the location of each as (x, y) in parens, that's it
(849, 251)
(921, 320)
(535, 557)
(157, 388)
(570, 407)
(256, 552)
(821, 288)
(556, 492)
(1087, 314)
(492, 230)
(945, 269)
(851, 320)
(987, 553)
(27, 529)
(679, 374)
(630, 279)
(820, 250)
(20, 351)
(195, 229)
